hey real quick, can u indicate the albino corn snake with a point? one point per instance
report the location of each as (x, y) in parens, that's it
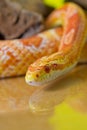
(52, 53)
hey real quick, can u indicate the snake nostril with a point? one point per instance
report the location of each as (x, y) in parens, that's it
(54, 66)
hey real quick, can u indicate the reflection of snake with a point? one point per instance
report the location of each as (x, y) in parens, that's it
(64, 42)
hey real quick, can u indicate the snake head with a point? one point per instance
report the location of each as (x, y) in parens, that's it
(45, 70)
(38, 72)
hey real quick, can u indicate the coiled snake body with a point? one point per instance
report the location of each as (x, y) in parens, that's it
(60, 46)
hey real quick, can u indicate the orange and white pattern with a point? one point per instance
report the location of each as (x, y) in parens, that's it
(49, 54)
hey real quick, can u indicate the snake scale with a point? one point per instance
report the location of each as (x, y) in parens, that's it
(49, 54)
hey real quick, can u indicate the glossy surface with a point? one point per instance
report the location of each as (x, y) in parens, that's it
(48, 109)
(74, 84)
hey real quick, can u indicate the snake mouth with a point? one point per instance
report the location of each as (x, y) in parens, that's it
(32, 82)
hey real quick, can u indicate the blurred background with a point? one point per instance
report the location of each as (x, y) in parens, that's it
(63, 105)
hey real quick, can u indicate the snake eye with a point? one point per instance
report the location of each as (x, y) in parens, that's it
(47, 69)
(37, 75)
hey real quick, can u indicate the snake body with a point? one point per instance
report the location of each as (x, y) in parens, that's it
(73, 21)
(50, 54)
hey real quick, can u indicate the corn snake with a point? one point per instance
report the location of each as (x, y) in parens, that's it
(54, 52)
